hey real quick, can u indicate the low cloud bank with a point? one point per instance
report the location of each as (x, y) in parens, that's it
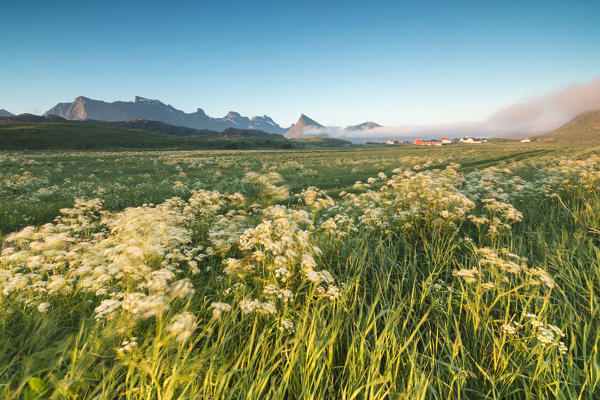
(538, 115)
(549, 111)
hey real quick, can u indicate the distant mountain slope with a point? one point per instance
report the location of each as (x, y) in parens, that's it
(33, 118)
(363, 126)
(302, 125)
(583, 128)
(4, 113)
(83, 108)
(141, 125)
(102, 135)
(155, 126)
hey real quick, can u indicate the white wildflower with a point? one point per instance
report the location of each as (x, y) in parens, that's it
(182, 326)
(219, 308)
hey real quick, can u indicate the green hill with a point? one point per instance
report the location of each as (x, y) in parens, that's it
(583, 128)
(137, 134)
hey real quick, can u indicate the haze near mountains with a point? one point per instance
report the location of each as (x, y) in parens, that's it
(526, 118)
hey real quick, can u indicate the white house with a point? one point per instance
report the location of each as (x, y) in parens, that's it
(469, 139)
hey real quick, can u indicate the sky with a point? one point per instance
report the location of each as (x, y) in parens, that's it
(341, 63)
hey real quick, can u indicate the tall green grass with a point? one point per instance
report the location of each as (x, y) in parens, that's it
(393, 335)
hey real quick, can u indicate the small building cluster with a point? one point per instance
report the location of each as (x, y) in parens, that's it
(433, 142)
(445, 140)
(465, 139)
(469, 139)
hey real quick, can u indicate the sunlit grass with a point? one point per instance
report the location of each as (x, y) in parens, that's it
(431, 280)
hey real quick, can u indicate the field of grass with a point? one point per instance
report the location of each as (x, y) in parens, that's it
(462, 272)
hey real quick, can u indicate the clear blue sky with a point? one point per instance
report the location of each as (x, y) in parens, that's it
(338, 62)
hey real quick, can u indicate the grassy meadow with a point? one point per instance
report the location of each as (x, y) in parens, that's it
(139, 135)
(461, 272)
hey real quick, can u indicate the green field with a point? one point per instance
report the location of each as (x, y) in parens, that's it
(400, 272)
(139, 135)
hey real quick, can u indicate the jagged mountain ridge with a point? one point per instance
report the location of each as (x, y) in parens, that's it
(83, 108)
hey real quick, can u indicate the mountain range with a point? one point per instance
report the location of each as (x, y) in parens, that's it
(83, 108)
(51, 132)
(153, 115)
(305, 124)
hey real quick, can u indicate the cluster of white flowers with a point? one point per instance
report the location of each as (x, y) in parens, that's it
(254, 305)
(416, 203)
(267, 184)
(134, 260)
(498, 268)
(547, 335)
(128, 345)
(339, 225)
(226, 230)
(581, 172)
(315, 198)
(219, 308)
(140, 262)
(499, 219)
(278, 257)
(182, 326)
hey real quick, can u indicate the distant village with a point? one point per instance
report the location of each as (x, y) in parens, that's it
(466, 139)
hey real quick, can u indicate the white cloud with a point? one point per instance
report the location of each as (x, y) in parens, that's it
(549, 111)
(538, 115)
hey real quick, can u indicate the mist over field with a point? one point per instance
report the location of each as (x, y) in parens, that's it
(531, 117)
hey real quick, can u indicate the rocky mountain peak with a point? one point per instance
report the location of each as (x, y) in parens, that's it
(303, 123)
(140, 99)
(233, 115)
(306, 121)
(261, 118)
(364, 125)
